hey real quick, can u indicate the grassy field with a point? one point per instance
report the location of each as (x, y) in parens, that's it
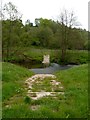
(36, 54)
(73, 104)
(72, 56)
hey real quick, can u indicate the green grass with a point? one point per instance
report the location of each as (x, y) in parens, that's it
(12, 78)
(73, 104)
(75, 81)
(36, 54)
(45, 85)
(77, 56)
(72, 56)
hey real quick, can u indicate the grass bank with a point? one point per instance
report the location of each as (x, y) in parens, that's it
(13, 79)
(75, 81)
(35, 55)
(73, 104)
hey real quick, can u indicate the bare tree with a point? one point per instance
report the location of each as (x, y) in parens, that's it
(67, 21)
(9, 11)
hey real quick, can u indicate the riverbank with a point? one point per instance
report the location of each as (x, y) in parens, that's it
(51, 69)
(33, 57)
(72, 104)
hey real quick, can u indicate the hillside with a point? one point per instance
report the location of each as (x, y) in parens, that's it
(73, 104)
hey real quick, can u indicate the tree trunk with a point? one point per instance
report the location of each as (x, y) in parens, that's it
(63, 55)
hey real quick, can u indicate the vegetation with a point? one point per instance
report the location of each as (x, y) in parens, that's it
(12, 79)
(45, 34)
(27, 44)
(34, 56)
(73, 104)
(75, 81)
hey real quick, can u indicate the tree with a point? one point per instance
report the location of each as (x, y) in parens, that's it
(10, 12)
(45, 35)
(11, 15)
(47, 32)
(67, 20)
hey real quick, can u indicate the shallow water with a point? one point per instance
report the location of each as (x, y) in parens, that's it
(51, 69)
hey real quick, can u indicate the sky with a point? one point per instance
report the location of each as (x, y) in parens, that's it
(51, 9)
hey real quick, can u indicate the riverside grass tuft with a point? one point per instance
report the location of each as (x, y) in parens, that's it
(73, 104)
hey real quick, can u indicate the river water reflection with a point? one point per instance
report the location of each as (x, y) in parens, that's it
(51, 69)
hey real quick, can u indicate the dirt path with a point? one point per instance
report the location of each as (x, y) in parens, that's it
(42, 85)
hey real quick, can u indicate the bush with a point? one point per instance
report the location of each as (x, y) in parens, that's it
(76, 57)
(27, 100)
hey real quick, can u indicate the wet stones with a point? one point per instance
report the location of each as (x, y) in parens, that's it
(39, 79)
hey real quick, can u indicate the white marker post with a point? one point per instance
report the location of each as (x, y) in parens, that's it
(46, 60)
